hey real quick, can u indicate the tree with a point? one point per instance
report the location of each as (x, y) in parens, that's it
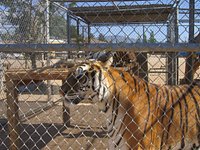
(58, 27)
(27, 18)
(58, 23)
(144, 38)
(152, 37)
(72, 4)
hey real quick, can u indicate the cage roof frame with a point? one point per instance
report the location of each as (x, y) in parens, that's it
(153, 13)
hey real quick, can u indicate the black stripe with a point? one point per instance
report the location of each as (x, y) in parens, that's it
(164, 113)
(139, 82)
(183, 138)
(93, 73)
(103, 95)
(181, 115)
(156, 104)
(195, 101)
(100, 79)
(186, 109)
(135, 84)
(178, 101)
(110, 121)
(146, 90)
(170, 147)
(198, 129)
(113, 108)
(119, 129)
(116, 111)
(122, 76)
(161, 97)
(118, 142)
(114, 98)
(110, 73)
(171, 116)
(167, 100)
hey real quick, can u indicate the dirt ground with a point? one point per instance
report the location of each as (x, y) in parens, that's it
(47, 131)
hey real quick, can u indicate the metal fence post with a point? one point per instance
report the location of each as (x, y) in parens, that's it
(89, 33)
(172, 60)
(189, 60)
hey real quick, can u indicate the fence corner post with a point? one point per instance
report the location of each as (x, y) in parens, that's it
(12, 114)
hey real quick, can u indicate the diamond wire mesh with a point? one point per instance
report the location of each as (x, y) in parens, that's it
(39, 104)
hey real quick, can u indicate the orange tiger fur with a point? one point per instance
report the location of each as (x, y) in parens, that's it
(140, 115)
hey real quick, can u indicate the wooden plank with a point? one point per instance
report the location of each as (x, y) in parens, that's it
(12, 115)
(49, 74)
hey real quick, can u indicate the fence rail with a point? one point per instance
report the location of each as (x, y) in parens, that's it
(133, 47)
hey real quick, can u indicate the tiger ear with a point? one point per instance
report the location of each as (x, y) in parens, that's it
(108, 62)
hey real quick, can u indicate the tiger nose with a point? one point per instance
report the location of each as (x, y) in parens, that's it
(79, 72)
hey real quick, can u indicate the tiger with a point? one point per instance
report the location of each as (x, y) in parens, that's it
(139, 114)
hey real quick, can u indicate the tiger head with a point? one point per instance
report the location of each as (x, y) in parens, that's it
(88, 80)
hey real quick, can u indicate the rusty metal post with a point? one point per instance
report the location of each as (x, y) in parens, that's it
(142, 60)
(189, 60)
(69, 33)
(143, 63)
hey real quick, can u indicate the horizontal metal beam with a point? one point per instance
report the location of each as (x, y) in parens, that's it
(92, 0)
(163, 23)
(134, 47)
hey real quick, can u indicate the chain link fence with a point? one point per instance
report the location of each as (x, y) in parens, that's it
(42, 40)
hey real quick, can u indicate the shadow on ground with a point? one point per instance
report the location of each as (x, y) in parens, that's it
(37, 136)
